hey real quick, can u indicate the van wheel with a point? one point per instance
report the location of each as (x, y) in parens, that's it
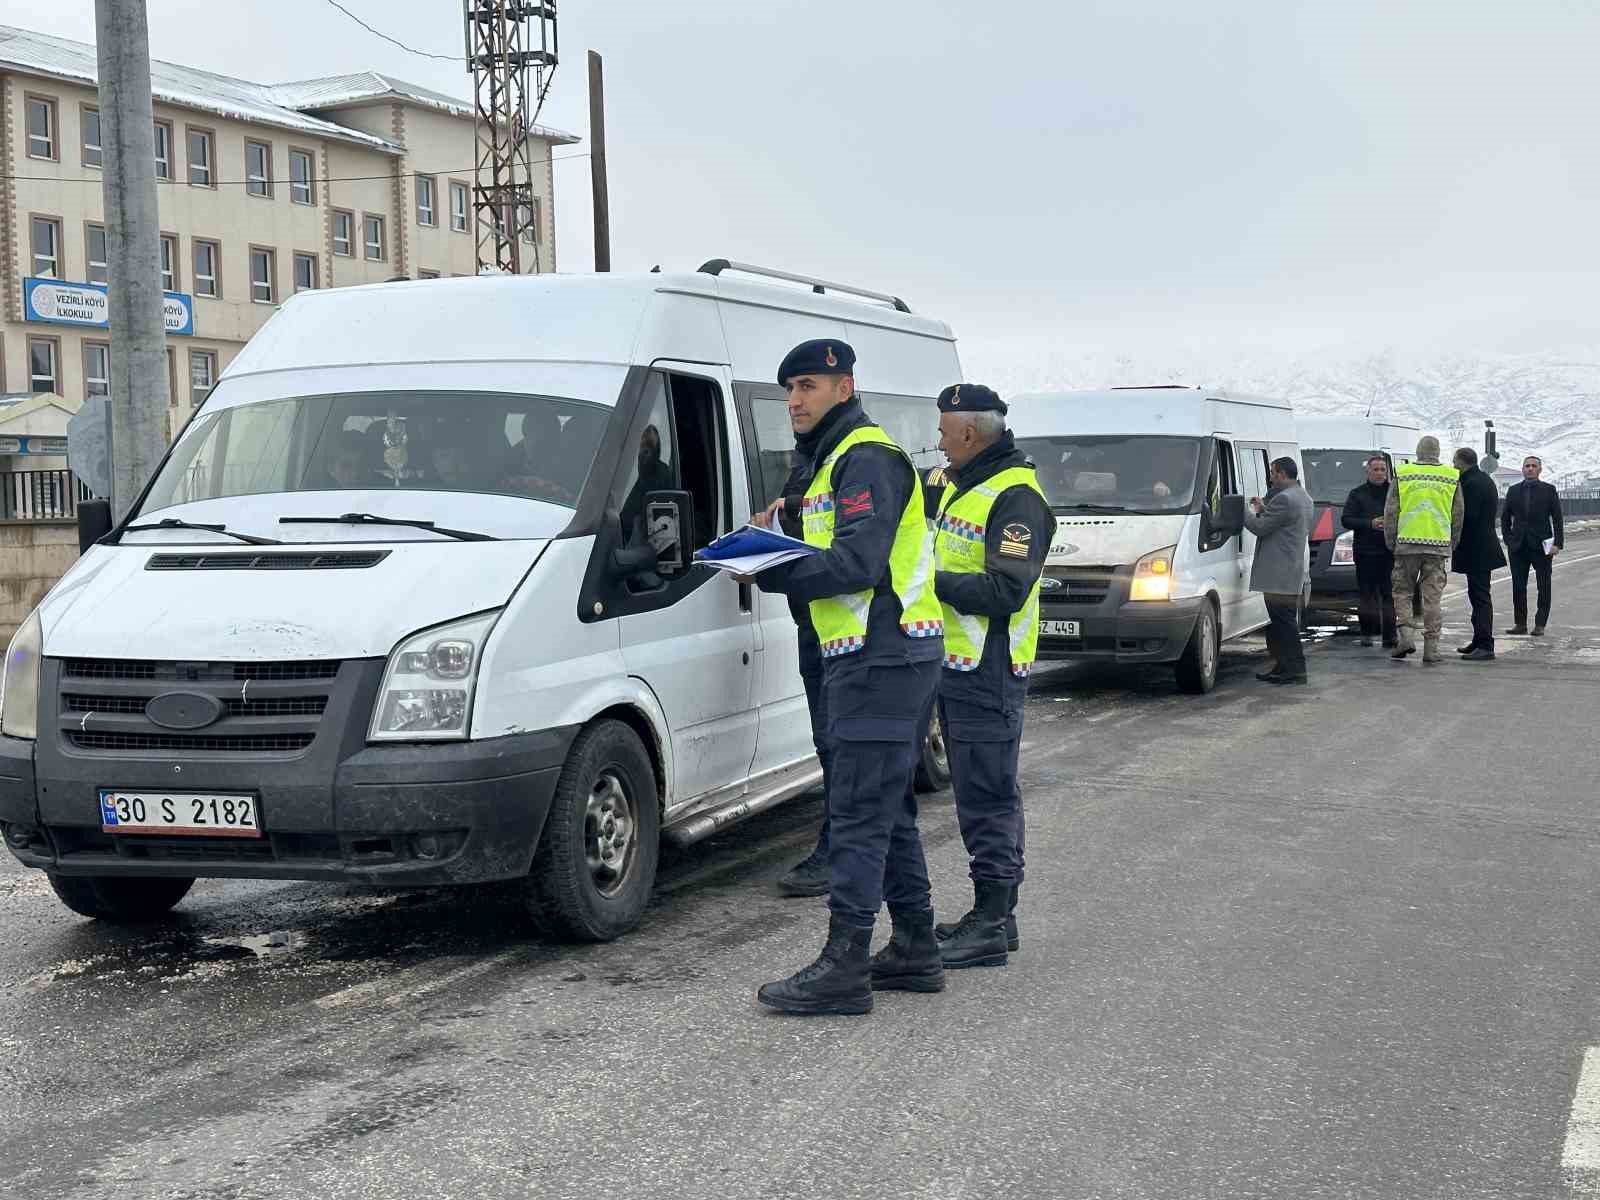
(933, 767)
(596, 864)
(1197, 669)
(118, 899)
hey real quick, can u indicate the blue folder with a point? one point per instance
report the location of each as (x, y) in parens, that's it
(742, 543)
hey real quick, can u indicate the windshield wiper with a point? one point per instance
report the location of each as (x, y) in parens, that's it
(1094, 508)
(174, 523)
(465, 535)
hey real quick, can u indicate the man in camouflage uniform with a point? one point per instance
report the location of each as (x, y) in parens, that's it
(1422, 536)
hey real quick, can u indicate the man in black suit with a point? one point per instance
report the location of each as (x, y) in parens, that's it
(1477, 555)
(1531, 524)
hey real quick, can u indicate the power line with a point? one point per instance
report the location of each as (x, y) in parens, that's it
(175, 182)
(455, 58)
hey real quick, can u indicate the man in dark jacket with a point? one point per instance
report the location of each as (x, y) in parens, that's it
(1363, 513)
(1531, 518)
(1477, 555)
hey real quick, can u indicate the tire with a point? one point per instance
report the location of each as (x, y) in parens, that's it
(933, 768)
(584, 886)
(1197, 669)
(118, 899)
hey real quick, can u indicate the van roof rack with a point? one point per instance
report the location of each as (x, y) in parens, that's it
(717, 266)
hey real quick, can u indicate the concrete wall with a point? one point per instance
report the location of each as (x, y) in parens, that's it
(33, 555)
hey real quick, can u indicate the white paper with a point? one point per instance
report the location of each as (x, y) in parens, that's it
(752, 564)
(1549, 545)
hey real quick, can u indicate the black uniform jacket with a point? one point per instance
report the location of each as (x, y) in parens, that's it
(1016, 540)
(1361, 507)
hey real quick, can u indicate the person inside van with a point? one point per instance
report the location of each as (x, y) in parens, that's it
(655, 475)
(350, 464)
(455, 466)
(542, 472)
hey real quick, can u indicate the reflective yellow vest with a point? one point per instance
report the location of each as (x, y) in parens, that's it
(841, 621)
(1427, 494)
(959, 546)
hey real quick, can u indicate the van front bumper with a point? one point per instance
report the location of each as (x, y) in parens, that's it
(441, 813)
(1143, 631)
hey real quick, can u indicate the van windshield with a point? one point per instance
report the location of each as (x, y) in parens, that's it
(536, 446)
(1145, 474)
(1331, 474)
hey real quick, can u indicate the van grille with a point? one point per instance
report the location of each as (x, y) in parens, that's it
(263, 707)
(331, 560)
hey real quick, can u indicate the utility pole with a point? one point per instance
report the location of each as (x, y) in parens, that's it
(504, 40)
(597, 164)
(139, 394)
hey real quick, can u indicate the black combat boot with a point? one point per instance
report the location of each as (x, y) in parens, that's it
(836, 983)
(945, 930)
(980, 938)
(911, 961)
(809, 877)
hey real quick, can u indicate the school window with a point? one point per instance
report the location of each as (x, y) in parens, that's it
(89, 120)
(425, 209)
(262, 270)
(258, 169)
(458, 207)
(305, 272)
(46, 233)
(300, 190)
(44, 368)
(169, 262)
(96, 369)
(528, 221)
(372, 231)
(206, 256)
(163, 150)
(95, 252)
(202, 375)
(41, 127)
(344, 232)
(202, 156)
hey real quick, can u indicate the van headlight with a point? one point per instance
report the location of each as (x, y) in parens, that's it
(1152, 576)
(428, 683)
(19, 681)
(1344, 548)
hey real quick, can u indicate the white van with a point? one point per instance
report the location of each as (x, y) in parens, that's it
(390, 611)
(1151, 563)
(1334, 453)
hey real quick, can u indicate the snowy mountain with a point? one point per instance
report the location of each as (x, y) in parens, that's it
(1547, 405)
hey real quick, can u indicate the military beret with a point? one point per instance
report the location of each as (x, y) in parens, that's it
(970, 397)
(821, 357)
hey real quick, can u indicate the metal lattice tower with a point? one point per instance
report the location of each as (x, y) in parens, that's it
(511, 51)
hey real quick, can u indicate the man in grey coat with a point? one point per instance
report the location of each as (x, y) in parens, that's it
(1282, 525)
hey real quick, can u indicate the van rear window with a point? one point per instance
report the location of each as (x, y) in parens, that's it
(536, 446)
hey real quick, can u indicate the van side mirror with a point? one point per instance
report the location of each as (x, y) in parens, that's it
(94, 522)
(1230, 517)
(667, 549)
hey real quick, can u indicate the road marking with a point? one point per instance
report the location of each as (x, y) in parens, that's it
(1580, 1155)
(1506, 578)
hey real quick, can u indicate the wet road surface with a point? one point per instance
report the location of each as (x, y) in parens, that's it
(1325, 941)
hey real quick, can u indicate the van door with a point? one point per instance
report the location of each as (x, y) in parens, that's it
(692, 640)
(1254, 479)
(784, 733)
(1222, 557)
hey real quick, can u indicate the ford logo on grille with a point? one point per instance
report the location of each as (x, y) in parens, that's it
(184, 710)
(1050, 583)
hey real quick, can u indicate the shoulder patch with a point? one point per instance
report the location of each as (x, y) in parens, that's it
(935, 477)
(1015, 540)
(856, 504)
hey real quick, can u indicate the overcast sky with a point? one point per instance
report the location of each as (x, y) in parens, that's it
(1121, 177)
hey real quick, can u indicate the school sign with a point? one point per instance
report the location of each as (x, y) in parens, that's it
(55, 302)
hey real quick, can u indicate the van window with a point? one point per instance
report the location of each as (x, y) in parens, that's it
(1141, 474)
(679, 443)
(1221, 481)
(540, 447)
(1329, 475)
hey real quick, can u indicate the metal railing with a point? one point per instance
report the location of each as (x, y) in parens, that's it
(1580, 502)
(40, 495)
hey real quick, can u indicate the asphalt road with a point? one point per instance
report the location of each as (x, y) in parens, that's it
(1333, 941)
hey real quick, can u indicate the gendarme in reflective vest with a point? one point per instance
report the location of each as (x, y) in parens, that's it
(959, 546)
(1427, 494)
(841, 621)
